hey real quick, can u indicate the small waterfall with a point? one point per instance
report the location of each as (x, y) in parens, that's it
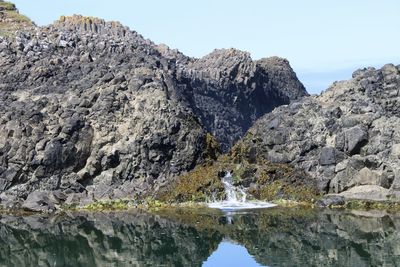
(236, 198)
(233, 194)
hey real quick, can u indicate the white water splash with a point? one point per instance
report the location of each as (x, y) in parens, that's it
(232, 192)
(236, 198)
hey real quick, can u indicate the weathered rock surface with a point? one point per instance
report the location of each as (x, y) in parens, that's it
(346, 137)
(91, 107)
(41, 202)
(91, 112)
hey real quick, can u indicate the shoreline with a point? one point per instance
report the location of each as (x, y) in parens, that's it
(126, 205)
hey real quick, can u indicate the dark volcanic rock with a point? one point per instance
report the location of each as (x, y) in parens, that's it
(108, 127)
(347, 137)
(90, 107)
(230, 91)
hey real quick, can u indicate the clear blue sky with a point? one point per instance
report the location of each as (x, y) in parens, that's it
(232, 255)
(325, 40)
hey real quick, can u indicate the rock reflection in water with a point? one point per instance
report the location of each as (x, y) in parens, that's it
(275, 237)
(123, 239)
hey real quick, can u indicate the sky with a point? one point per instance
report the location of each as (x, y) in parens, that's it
(324, 40)
(232, 255)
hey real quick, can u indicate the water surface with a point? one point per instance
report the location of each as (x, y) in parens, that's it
(202, 237)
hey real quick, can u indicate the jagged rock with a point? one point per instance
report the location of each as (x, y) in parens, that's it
(41, 201)
(346, 137)
(231, 90)
(91, 106)
(327, 156)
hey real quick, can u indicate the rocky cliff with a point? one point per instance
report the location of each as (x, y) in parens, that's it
(347, 139)
(91, 109)
(230, 91)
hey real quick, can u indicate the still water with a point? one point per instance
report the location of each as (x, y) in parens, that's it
(202, 237)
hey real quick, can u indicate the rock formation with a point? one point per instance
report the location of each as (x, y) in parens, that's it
(230, 91)
(91, 109)
(347, 138)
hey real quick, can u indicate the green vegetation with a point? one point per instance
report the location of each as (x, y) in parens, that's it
(199, 185)
(356, 204)
(202, 183)
(18, 18)
(11, 20)
(7, 6)
(264, 180)
(108, 205)
(281, 189)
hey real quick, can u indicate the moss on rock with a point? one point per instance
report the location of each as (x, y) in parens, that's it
(263, 180)
(199, 185)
